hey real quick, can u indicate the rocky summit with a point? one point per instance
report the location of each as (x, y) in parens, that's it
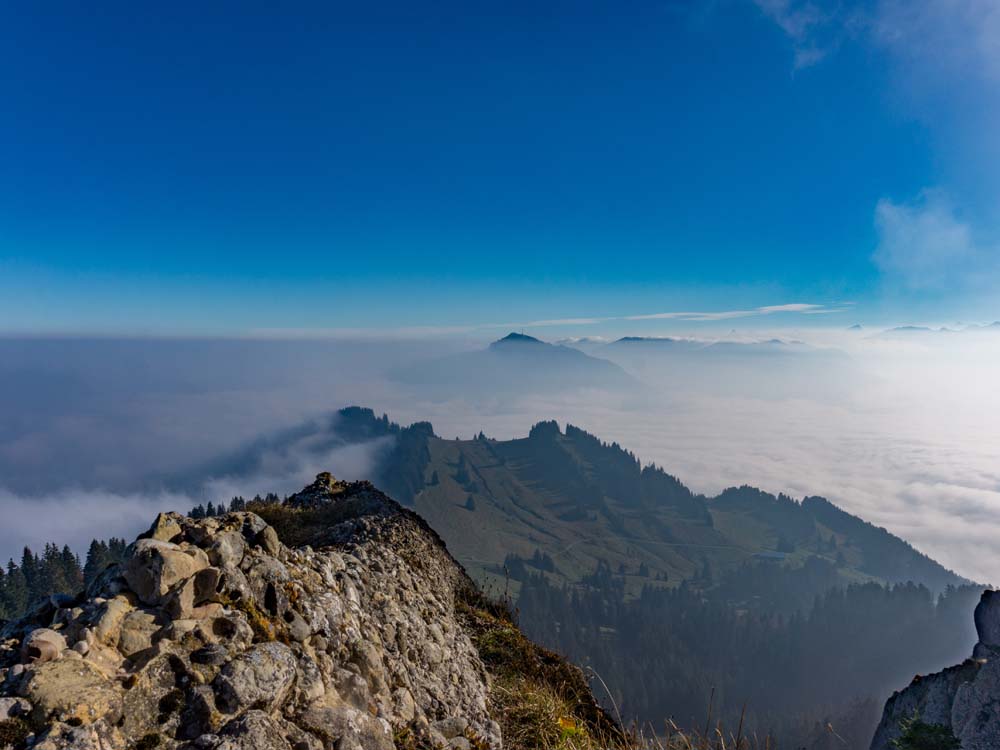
(342, 624)
(960, 701)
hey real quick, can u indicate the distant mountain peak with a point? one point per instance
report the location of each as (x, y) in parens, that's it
(517, 338)
(634, 339)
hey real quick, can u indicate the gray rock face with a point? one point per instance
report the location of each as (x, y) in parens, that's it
(988, 619)
(259, 678)
(965, 698)
(213, 635)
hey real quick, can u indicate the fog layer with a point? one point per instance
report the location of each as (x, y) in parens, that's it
(899, 428)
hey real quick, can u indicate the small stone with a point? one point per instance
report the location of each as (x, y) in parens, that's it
(42, 645)
(268, 540)
(403, 705)
(227, 550)
(165, 528)
(109, 623)
(298, 629)
(212, 654)
(11, 708)
(452, 727)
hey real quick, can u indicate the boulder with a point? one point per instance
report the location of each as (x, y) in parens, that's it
(165, 528)
(260, 678)
(227, 549)
(72, 691)
(136, 633)
(42, 645)
(108, 625)
(154, 567)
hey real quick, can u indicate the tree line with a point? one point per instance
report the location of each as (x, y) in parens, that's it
(834, 662)
(55, 571)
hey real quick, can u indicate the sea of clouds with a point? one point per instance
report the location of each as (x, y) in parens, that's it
(97, 436)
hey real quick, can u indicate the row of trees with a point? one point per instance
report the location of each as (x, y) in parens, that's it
(55, 571)
(238, 503)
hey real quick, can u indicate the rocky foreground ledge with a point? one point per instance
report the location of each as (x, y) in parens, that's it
(963, 700)
(215, 635)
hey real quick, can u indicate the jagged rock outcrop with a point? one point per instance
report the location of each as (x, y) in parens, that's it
(965, 698)
(215, 635)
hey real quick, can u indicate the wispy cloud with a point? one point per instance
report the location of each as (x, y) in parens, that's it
(416, 332)
(794, 307)
(923, 244)
(806, 24)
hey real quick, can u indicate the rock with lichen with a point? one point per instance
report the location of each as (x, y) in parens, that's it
(216, 634)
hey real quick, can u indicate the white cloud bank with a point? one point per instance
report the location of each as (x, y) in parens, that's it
(905, 438)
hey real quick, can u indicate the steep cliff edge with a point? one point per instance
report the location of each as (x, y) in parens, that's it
(339, 623)
(963, 700)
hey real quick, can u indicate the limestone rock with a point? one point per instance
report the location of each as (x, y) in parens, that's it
(214, 635)
(260, 678)
(71, 691)
(42, 645)
(136, 632)
(165, 528)
(155, 566)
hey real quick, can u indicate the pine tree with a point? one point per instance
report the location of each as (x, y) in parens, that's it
(15, 593)
(30, 569)
(98, 558)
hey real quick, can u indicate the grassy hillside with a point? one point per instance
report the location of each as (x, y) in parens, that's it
(564, 503)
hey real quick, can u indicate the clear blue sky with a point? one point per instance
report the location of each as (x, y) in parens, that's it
(222, 167)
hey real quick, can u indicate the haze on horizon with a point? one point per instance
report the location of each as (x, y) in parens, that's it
(202, 244)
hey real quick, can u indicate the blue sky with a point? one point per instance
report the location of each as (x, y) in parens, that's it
(389, 165)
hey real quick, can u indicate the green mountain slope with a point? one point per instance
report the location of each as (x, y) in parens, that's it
(564, 503)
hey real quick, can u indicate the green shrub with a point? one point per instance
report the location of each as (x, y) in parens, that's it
(918, 735)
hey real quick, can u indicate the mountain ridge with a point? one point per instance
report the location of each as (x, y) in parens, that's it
(563, 488)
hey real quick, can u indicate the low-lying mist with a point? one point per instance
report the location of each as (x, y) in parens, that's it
(901, 429)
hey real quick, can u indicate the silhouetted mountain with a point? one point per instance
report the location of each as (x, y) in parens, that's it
(517, 364)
